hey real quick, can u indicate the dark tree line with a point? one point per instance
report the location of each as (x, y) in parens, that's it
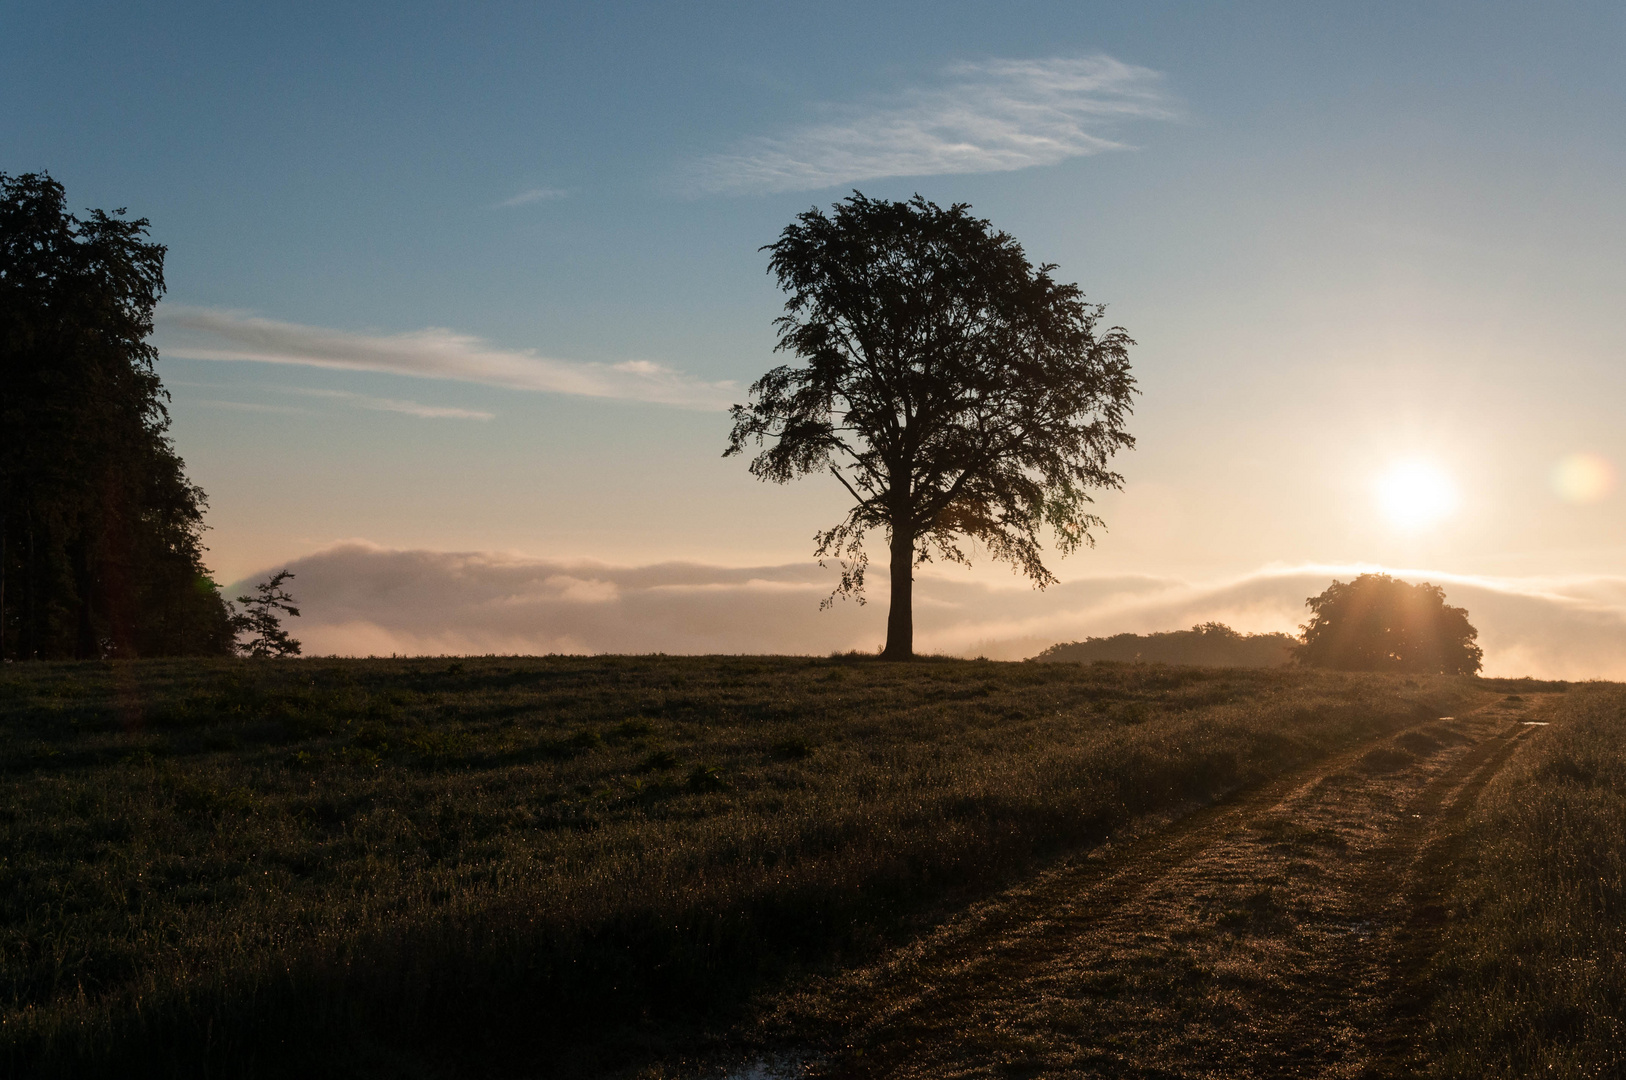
(100, 529)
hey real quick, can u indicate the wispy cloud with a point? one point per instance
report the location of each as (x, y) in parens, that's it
(247, 406)
(410, 408)
(993, 116)
(361, 598)
(534, 195)
(212, 334)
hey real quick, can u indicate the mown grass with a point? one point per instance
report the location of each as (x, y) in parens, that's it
(1532, 978)
(550, 866)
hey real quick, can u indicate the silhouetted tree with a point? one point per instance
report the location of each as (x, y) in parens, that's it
(952, 387)
(260, 619)
(100, 550)
(1376, 623)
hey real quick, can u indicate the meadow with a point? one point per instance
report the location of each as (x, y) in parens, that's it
(556, 866)
(1532, 978)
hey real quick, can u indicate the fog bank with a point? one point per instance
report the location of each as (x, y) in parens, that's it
(359, 599)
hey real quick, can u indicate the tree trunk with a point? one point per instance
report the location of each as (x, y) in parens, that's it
(4, 553)
(31, 643)
(85, 637)
(900, 620)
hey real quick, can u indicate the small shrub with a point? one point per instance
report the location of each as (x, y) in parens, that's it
(585, 739)
(706, 778)
(438, 747)
(360, 756)
(373, 736)
(303, 725)
(659, 758)
(794, 748)
(634, 727)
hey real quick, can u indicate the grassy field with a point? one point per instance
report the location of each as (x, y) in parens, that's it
(549, 866)
(1532, 979)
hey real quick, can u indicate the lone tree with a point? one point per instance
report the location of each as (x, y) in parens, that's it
(260, 619)
(952, 387)
(1376, 623)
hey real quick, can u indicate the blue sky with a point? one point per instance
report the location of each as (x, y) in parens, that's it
(1345, 236)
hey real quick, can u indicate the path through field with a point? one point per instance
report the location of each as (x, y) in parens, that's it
(1276, 933)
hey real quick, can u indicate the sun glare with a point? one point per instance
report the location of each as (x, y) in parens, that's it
(1415, 495)
(1583, 478)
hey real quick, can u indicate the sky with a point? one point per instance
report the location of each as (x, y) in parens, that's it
(463, 287)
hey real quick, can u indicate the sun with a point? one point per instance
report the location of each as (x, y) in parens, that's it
(1416, 495)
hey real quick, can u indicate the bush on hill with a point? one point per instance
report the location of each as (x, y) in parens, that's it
(1379, 623)
(1211, 644)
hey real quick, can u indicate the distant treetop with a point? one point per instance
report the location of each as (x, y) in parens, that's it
(1209, 644)
(1378, 623)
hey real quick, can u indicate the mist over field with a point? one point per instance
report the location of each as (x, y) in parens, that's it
(360, 599)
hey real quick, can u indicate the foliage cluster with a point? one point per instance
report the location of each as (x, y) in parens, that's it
(446, 868)
(1377, 623)
(1210, 644)
(100, 550)
(1532, 978)
(261, 619)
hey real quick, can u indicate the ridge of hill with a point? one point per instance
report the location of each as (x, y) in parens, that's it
(1209, 644)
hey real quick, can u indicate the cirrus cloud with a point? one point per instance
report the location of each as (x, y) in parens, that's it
(397, 405)
(993, 116)
(534, 195)
(212, 334)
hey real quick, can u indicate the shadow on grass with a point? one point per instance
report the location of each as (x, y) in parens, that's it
(664, 862)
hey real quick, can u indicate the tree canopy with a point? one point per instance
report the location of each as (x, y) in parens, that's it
(1377, 623)
(261, 621)
(955, 390)
(100, 549)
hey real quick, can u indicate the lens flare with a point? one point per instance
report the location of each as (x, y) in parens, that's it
(1583, 478)
(1416, 494)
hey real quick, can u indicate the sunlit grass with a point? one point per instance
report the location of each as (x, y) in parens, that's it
(1532, 980)
(454, 867)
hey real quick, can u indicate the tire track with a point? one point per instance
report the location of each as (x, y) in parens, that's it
(1264, 935)
(1419, 929)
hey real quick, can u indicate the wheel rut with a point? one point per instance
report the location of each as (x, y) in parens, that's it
(1278, 932)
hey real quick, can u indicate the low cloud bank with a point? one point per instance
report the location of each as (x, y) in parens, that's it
(361, 599)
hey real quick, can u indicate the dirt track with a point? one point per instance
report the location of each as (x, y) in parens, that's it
(1276, 933)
